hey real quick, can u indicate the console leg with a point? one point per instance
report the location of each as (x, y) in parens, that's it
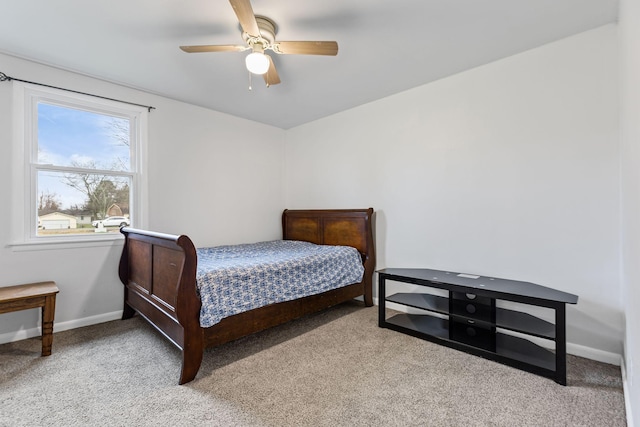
(561, 344)
(382, 293)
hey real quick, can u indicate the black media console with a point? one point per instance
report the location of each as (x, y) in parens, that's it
(468, 319)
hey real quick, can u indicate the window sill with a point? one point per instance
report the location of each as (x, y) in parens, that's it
(67, 243)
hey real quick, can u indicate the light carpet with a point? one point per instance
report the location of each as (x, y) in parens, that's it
(336, 368)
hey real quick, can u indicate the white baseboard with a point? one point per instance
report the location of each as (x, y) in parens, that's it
(574, 349)
(23, 334)
(625, 389)
(594, 354)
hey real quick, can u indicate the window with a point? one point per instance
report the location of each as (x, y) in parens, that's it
(83, 169)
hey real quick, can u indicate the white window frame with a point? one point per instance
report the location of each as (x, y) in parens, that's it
(26, 167)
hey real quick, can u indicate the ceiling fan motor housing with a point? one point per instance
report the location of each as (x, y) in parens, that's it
(267, 35)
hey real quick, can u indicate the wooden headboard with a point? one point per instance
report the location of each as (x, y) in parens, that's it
(347, 227)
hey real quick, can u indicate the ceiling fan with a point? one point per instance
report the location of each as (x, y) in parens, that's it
(259, 34)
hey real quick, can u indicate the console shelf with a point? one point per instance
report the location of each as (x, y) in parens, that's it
(506, 319)
(468, 319)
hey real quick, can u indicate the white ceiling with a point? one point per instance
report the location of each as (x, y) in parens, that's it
(385, 46)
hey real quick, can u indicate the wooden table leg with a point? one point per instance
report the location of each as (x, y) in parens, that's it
(48, 311)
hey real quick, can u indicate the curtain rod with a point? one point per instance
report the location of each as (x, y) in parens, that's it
(4, 77)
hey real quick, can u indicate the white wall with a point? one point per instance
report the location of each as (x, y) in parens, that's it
(630, 138)
(510, 170)
(212, 176)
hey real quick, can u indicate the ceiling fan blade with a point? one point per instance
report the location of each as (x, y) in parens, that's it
(214, 48)
(271, 76)
(246, 17)
(306, 48)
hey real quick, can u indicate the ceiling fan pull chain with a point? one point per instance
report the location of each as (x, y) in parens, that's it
(250, 88)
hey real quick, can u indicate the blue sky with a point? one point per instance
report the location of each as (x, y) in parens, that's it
(66, 134)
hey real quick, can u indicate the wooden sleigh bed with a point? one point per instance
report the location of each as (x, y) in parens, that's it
(159, 274)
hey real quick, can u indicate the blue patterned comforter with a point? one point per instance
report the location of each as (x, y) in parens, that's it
(237, 278)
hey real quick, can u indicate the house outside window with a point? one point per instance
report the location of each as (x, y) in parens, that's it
(83, 165)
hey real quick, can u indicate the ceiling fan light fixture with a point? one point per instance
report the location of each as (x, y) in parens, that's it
(257, 63)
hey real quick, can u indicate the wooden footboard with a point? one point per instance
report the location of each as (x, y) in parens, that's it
(159, 274)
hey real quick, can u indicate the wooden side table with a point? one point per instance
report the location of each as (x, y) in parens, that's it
(33, 295)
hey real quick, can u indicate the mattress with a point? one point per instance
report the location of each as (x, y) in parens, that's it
(236, 278)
